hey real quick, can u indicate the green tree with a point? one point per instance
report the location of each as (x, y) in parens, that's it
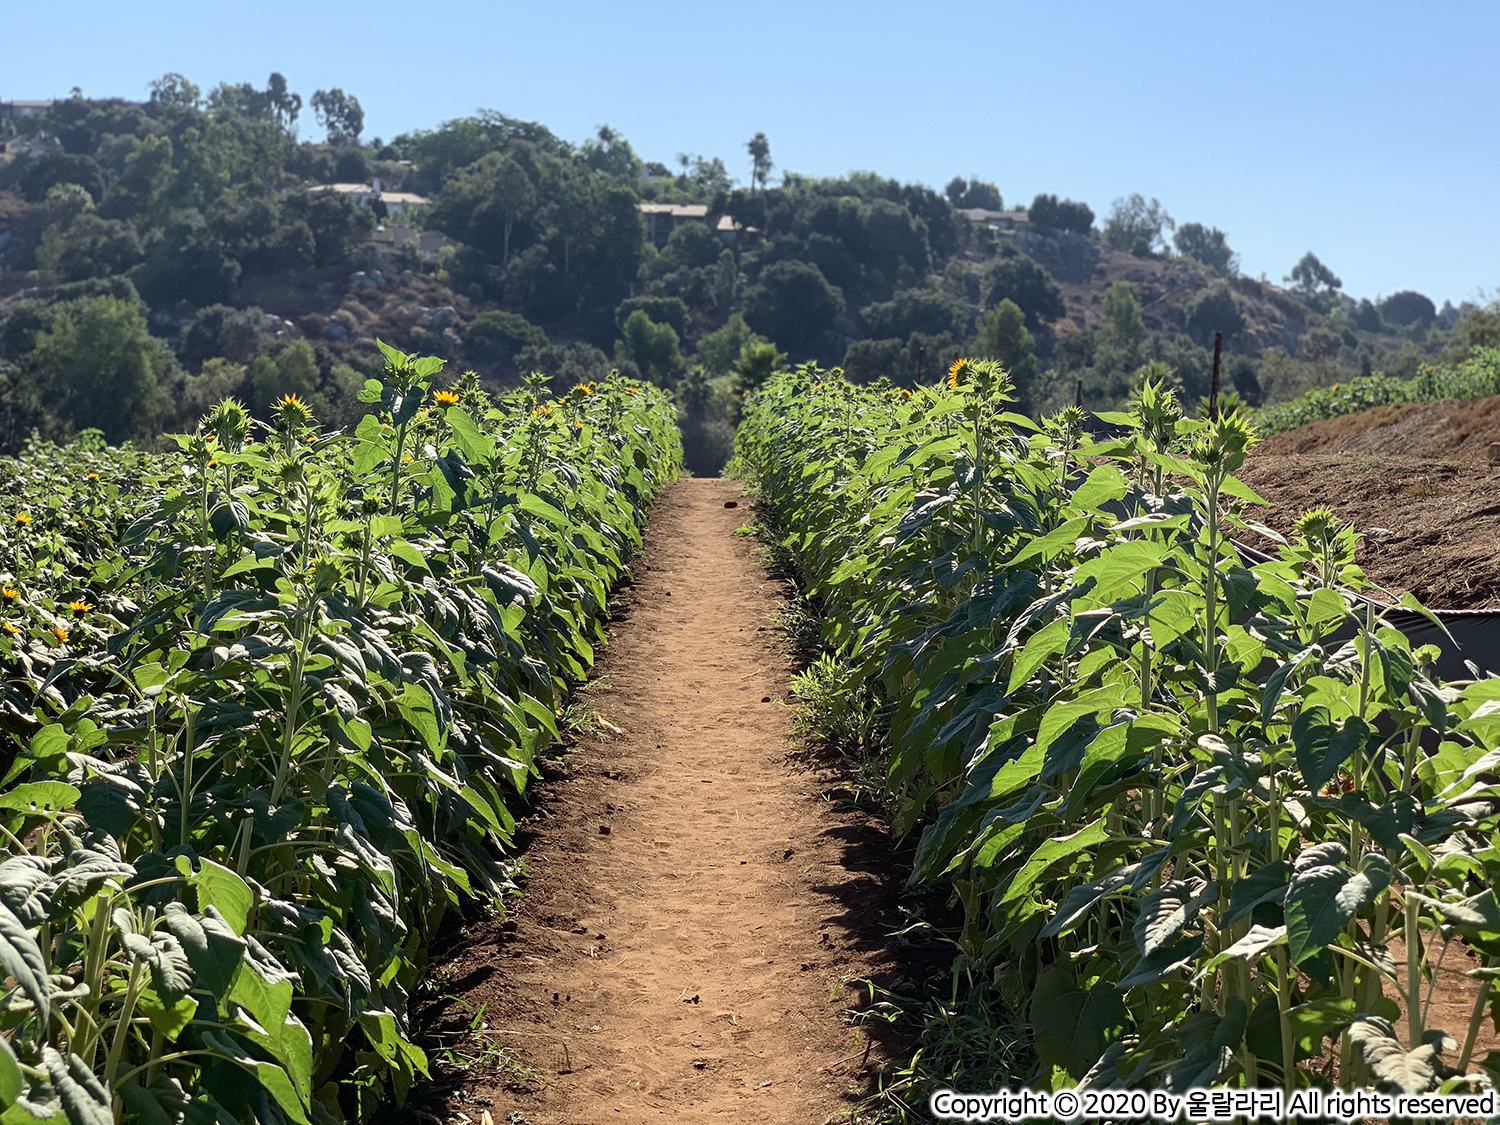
(650, 346)
(1065, 214)
(340, 114)
(1136, 226)
(175, 91)
(1213, 310)
(1407, 309)
(1015, 277)
(100, 368)
(78, 244)
(718, 351)
(662, 310)
(916, 310)
(285, 105)
(483, 202)
(1206, 245)
(509, 331)
(291, 371)
(974, 193)
(757, 363)
(1003, 336)
(1310, 276)
(610, 154)
(760, 160)
(792, 304)
(1124, 328)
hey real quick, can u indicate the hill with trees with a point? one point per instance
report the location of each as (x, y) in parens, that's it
(157, 255)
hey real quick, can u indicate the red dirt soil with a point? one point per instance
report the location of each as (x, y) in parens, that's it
(698, 905)
(1417, 470)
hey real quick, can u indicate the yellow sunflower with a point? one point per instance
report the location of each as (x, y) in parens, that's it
(445, 398)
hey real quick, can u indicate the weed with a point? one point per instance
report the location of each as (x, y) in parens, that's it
(1362, 463)
(830, 701)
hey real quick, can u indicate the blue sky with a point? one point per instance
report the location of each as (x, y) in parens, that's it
(1366, 132)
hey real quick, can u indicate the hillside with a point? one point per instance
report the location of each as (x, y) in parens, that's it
(231, 256)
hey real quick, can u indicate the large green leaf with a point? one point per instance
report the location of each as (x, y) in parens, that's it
(22, 960)
(1168, 909)
(1410, 1072)
(1323, 897)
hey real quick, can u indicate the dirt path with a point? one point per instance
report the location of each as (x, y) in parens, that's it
(695, 897)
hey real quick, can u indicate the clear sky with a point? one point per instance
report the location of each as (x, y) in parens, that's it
(1367, 132)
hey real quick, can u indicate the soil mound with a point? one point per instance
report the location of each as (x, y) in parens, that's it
(1446, 430)
(1415, 478)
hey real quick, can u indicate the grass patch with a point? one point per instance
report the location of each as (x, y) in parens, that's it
(1362, 463)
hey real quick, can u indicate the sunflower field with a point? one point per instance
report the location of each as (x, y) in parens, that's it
(268, 702)
(1206, 822)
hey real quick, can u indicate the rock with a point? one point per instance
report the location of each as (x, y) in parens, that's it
(376, 278)
(1494, 452)
(406, 277)
(335, 331)
(1378, 535)
(442, 318)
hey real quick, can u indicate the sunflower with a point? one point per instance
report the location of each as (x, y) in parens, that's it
(955, 373)
(80, 606)
(13, 630)
(61, 634)
(586, 388)
(91, 476)
(445, 398)
(9, 593)
(291, 411)
(23, 518)
(541, 411)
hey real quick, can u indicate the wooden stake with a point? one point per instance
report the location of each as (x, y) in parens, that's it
(1213, 387)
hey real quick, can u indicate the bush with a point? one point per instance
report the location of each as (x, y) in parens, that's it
(1214, 310)
(238, 335)
(663, 310)
(1012, 276)
(1407, 309)
(509, 331)
(916, 310)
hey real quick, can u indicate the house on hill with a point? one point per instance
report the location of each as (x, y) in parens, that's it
(23, 111)
(663, 218)
(366, 194)
(996, 220)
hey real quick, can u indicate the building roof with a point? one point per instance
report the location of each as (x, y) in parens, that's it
(404, 197)
(676, 210)
(980, 215)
